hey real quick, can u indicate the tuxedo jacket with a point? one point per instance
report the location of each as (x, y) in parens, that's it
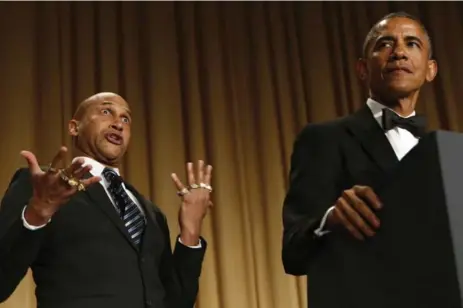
(327, 159)
(84, 258)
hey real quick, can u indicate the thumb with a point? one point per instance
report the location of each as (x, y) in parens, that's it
(31, 161)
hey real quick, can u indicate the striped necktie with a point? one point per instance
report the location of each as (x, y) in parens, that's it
(129, 212)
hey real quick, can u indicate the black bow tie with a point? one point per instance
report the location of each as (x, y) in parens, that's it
(415, 125)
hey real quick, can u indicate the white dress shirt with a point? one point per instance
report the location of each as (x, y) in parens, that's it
(97, 170)
(401, 140)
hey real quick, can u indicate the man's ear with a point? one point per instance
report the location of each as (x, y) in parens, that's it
(73, 128)
(431, 71)
(362, 69)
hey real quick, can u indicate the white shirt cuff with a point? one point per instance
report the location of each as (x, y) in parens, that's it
(320, 232)
(27, 225)
(197, 246)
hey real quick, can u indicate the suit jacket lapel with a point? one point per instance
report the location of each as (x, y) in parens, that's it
(372, 138)
(98, 195)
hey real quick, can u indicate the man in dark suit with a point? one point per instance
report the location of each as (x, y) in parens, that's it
(91, 240)
(336, 167)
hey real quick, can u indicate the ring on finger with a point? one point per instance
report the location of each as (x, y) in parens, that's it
(194, 186)
(206, 186)
(71, 181)
(182, 192)
(81, 187)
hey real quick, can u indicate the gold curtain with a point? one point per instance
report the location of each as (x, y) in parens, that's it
(230, 82)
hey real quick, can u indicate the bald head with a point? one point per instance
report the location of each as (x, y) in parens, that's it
(96, 98)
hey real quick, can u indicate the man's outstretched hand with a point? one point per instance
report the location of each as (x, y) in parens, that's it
(195, 201)
(54, 187)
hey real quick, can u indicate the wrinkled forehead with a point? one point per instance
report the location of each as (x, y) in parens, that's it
(400, 27)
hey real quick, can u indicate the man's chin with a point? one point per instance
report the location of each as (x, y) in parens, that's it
(398, 90)
(112, 153)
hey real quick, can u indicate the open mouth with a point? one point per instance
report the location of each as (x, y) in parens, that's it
(114, 138)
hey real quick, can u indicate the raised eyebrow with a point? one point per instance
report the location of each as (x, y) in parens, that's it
(409, 38)
(385, 38)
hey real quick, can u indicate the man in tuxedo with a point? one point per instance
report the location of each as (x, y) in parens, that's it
(89, 237)
(336, 167)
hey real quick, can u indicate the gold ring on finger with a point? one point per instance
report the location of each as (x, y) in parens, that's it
(73, 182)
(81, 187)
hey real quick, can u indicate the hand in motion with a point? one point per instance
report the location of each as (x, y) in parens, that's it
(195, 201)
(354, 211)
(54, 187)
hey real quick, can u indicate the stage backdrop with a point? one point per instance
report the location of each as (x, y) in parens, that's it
(232, 83)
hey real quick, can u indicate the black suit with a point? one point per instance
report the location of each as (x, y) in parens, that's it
(327, 159)
(85, 259)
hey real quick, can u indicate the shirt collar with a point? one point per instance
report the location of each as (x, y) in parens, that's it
(377, 111)
(97, 167)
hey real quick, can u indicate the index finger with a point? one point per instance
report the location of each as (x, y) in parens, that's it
(191, 174)
(58, 157)
(369, 195)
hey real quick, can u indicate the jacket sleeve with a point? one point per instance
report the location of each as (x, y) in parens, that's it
(18, 245)
(314, 186)
(180, 270)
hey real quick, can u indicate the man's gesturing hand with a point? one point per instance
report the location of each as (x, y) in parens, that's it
(353, 210)
(50, 190)
(195, 201)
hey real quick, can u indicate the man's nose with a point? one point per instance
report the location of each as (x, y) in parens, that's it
(398, 53)
(117, 125)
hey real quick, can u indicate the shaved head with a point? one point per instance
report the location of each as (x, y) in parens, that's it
(99, 97)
